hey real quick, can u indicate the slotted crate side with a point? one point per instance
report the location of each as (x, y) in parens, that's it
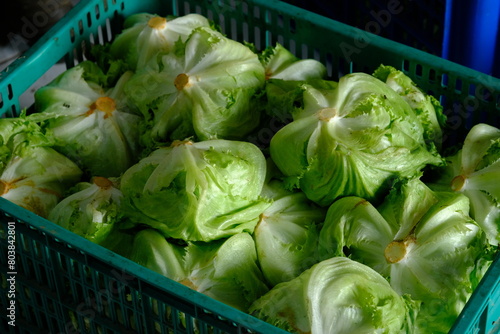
(65, 283)
(482, 312)
(69, 38)
(342, 48)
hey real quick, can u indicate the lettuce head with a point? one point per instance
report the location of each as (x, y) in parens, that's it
(286, 235)
(226, 270)
(33, 174)
(145, 34)
(197, 190)
(91, 211)
(474, 170)
(424, 242)
(353, 140)
(92, 125)
(337, 295)
(204, 88)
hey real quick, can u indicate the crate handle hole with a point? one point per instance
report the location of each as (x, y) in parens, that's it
(458, 85)
(89, 20)
(97, 12)
(72, 35)
(10, 93)
(418, 70)
(80, 27)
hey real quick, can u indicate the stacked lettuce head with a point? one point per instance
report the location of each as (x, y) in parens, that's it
(204, 87)
(423, 242)
(92, 124)
(33, 174)
(355, 139)
(474, 171)
(197, 190)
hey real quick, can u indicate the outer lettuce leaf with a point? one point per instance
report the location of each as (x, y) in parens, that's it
(153, 251)
(226, 270)
(284, 98)
(354, 140)
(92, 126)
(91, 211)
(144, 35)
(337, 295)
(204, 89)
(280, 63)
(423, 242)
(475, 172)
(197, 190)
(427, 107)
(32, 174)
(286, 236)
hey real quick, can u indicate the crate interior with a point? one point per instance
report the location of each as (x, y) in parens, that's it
(466, 98)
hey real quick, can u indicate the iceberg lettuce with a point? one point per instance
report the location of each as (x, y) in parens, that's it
(33, 174)
(145, 34)
(197, 190)
(92, 125)
(91, 211)
(340, 296)
(354, 140)
(203, 88)
(424, 242)
(475, 172)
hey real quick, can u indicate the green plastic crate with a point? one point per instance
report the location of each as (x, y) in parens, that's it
(66, 284)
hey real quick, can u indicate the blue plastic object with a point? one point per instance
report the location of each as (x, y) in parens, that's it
(472, 34)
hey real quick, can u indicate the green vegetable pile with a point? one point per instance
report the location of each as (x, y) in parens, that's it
(349, 219)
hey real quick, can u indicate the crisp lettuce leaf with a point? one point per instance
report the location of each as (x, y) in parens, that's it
(280, 63)
(337, 295)
(351, 141)
(92, 211)
(428, 109)
(93, 126)
(424, 242)
(197, 190)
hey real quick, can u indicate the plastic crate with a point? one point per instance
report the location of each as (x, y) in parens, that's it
(63, 280)
(417, 23)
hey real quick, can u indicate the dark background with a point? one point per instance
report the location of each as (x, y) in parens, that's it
(464, 31)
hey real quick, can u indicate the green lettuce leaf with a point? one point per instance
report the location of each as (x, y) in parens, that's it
(93, 126)
(337, 295)
(204, 89)
(423, 242)
(197, 190)
(351, 141)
